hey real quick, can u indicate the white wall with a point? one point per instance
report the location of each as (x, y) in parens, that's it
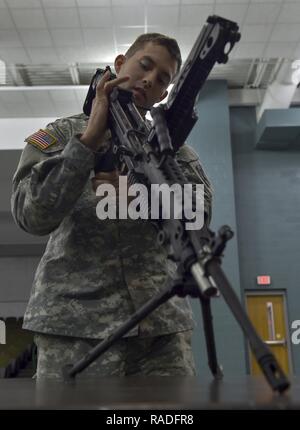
(13, 131)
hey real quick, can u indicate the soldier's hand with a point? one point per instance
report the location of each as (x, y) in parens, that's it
(93, 136)
(106, 178)
(110, 178)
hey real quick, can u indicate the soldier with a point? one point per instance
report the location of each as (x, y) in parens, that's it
(95, 274)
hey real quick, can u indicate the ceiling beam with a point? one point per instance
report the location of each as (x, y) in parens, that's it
(260, 71)
(280, 92)
(73, 69)
(18, 75)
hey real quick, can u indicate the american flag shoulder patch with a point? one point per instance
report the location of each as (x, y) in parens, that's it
(42, 139)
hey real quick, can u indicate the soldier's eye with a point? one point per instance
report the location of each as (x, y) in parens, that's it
(144, 65)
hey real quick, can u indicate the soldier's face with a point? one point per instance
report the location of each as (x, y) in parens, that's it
(151, 70)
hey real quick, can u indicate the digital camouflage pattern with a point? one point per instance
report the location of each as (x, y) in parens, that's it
(94, 274)
(168, 355)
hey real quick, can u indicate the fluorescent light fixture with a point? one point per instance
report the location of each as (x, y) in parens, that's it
(296, 73)
(2, 73)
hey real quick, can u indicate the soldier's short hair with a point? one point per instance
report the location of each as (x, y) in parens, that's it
(159, 39)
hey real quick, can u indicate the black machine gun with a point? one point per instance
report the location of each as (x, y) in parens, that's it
(149, 154)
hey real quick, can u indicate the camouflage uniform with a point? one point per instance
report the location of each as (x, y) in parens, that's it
(166, 355)
(94, 274)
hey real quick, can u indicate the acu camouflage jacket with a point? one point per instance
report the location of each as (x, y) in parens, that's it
(94, 274)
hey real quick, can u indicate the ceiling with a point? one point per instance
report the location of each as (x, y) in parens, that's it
(59, 43)
(68, 31)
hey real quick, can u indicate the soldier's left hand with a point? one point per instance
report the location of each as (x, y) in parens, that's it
(106, 178)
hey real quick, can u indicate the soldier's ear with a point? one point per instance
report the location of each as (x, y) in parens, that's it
(119, 61)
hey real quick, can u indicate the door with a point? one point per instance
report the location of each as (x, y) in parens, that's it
(267, 314)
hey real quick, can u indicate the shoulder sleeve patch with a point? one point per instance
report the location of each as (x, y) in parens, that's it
(42, 139)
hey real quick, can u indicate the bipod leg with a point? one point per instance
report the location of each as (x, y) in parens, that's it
(70, 370)
(207, 318)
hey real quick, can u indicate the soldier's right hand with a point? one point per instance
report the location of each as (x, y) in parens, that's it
(93, 135)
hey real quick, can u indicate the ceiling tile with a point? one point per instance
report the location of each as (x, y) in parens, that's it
(198, 1)
(128, 34)
(121, 49)
(128, 2)
(296, 52)
(280, 49)
(285, 33)
(29, 18)
(95, 17)
(69, 54)
(188, 35)
(166, 2)
(43, 55)
(67, 37)
(167, 30)
(134, 15)
(162, 15)
(96, 3)
(194, 15)
(233, 1)
(262, 13)
(255, 33)
(247, 50)
(36, 38)
(14, 55)
(97, 37)
(234, 12)
(268, 1)
(103, 55)
(62, 17)
(5, 20)
(59, 3)
(10, 38)
(23, 4)
(185, 50)
(290, 12)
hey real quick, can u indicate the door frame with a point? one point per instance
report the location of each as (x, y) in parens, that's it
(288, 338)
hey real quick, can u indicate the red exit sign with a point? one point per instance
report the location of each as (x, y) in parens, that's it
(263, 280)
